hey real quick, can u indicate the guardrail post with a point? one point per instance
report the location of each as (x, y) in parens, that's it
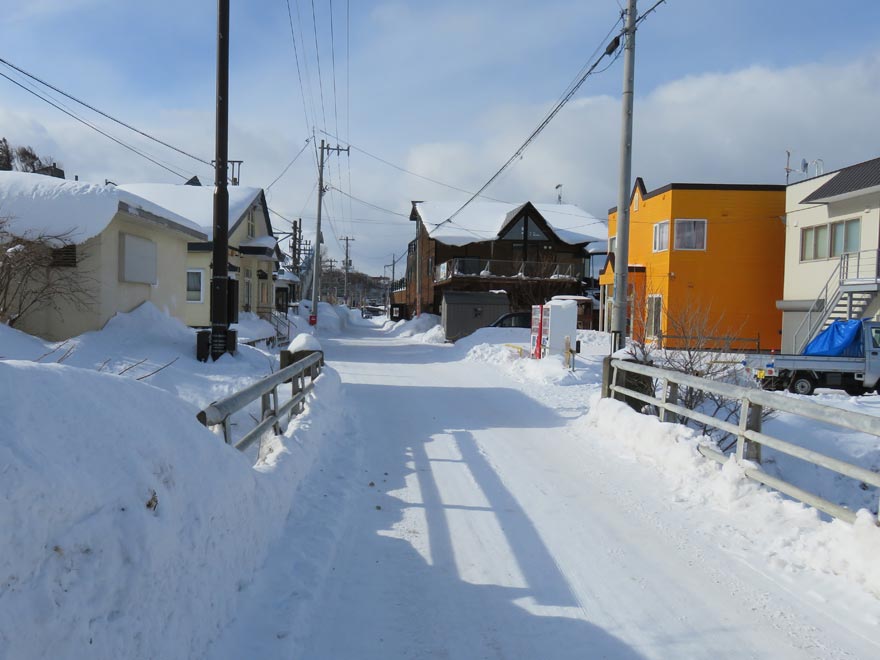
(227, 432)
(750, 415)
(277, 426)
(670, 395)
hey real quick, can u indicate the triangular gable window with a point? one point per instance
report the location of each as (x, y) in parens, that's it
(515, 231)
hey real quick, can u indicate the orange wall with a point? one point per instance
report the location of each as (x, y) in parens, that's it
(739, 276)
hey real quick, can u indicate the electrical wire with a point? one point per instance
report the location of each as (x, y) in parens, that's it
(93, 127)
(572, 89)
(411, 173)
(104, 114)
(298, 70)
(318, 60)
(288, 166)
(371, 205)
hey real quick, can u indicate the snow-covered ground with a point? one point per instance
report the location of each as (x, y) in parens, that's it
(434, 500)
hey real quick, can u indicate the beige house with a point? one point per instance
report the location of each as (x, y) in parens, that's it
(126, 250)
(253, 251)
(831, 251)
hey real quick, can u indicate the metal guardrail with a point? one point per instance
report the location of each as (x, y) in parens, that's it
(220, 412)
(749, 437)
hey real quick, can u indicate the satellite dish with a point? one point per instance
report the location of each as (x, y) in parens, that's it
(804, 165)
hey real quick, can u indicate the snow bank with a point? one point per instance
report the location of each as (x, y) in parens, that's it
(130, 529)
(425, 328)
(252, 328)
(793, 535)
(15, 344)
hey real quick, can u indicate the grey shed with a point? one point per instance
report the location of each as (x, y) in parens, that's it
(462, 312)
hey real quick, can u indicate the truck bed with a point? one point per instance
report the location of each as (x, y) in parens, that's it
(805, 362)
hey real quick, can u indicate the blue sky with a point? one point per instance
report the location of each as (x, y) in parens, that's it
(450, 89)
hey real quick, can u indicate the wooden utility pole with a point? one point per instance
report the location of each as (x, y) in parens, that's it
(316, 260)
(346, 265)
(220, 263)
(621, 252)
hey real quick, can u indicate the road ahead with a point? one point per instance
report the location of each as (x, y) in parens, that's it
(467, 519)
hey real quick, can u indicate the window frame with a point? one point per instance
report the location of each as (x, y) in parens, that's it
(201, 272)
(828, 249)
(655, 319)
(251, 224)
(674, 241)
(656, 227)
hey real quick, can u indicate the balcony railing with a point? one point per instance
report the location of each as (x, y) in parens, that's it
(473, 267)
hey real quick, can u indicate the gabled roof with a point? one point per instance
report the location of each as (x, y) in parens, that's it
(485, 221)
(197, 202)
(862, 178)
(35, 203)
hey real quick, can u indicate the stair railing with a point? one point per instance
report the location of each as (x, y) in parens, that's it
(820, 309)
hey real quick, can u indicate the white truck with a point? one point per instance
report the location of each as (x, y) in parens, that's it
(804, 373)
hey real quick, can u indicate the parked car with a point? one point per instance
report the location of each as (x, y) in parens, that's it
(513, 320)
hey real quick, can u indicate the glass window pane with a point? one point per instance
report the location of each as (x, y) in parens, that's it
(194, 285)
(853, 242)
(837, 236)
(822, 242)
(515, 231)
(807, 244)
(690, 234)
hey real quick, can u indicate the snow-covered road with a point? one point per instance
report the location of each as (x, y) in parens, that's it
(464, 517)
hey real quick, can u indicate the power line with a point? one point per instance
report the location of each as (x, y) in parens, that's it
(284, 171)
(371, 205)
(104, 114)
(298, 71)
(93, 127)
(318, 59)
(415, 174)
(610, 49)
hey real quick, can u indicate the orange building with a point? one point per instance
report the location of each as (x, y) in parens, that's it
(702, 250)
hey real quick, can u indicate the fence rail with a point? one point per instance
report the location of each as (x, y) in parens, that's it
(220, 412)
(749, 437)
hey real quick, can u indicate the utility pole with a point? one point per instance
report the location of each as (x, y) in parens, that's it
(316, 260)
(346, 264)
(621, 252)
(220, 263)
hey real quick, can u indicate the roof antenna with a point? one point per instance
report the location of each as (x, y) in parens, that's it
(559, 193)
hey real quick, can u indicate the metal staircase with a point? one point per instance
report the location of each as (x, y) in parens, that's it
(851, 292)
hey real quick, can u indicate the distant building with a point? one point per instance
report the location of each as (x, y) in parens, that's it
(831, 251)
(717, 248)
(531, 251)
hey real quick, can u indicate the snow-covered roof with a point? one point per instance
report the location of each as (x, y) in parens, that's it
(599, 247)
(35, 204)
(195, 202)
(268, 242)
(287, 276)
(483, 221)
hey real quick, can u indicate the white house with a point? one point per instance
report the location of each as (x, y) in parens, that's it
(253, 250)
(831, 251)
(126, 249)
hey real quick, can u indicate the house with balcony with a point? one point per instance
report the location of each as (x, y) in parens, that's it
(832, 236)
(707, 252)
(531, 251)
(254, 255)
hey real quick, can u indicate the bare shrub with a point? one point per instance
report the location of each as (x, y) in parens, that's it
(39, 270)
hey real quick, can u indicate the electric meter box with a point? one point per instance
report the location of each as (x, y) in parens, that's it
(551, 324)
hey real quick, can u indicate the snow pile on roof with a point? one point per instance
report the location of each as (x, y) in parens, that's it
(195, 202)
(38, 204)
(483, 221)
(287, 276)
(267, 242)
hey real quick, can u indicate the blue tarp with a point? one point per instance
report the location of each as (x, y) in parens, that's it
(840, 339)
